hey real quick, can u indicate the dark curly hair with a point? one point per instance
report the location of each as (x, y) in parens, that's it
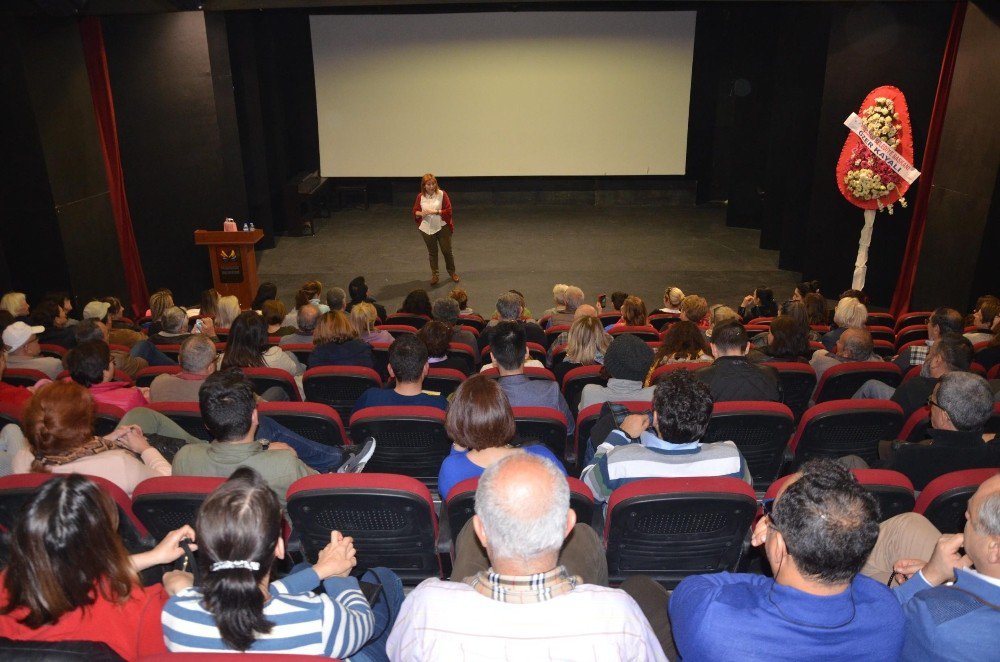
(828, 521)
(683, 406)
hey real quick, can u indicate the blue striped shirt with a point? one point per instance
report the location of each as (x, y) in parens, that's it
(304, 623)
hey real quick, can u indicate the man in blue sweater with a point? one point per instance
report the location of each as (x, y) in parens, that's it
(816, 535)
(408, 366)
(960, 621)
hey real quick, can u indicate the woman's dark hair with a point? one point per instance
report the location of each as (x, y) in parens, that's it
(208, 303)
(857, 294)
(87, 362)
(480, 415)
(808, 287)
(618, 298)
(239, 521)
(246, 343)
(273, 311)
(816, 308)
(265, 292)
(767, 307)
(416, 303)
(45, 313)
(683, 340)
(789, 339)
(65, 551)
(302, 297)
(436, 336)
(797, 311)
(115, 306)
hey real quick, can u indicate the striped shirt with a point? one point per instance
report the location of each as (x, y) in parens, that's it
(618, 461)
(304, 623)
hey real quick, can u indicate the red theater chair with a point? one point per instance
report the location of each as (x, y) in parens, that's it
(165, 503)
(841, 382)
(893, 490)
(443, 380)
(312, 420)
(541, 425)
(185, 414)
(411, 440)
(846, 427)
(146, 376)
(945, 498)
(339, 386)
(265, 378)
(760, 430)
(416, 321)
(585, 421)
(798, 381)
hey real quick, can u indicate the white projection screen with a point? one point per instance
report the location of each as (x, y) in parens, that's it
(503, 94)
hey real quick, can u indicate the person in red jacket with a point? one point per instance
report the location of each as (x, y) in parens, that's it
(432, 214)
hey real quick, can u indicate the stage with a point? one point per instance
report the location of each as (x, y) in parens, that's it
(639, 250)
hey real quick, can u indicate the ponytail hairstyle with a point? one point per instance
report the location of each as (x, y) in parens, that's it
(238, 522)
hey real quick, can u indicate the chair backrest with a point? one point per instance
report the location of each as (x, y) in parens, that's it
(842, 381)
(301, 350)
(881, 319)
(611, 317)
(473, 320)
(908, 334)
(411, 440)
(185, 414)
(994, 372)
(585, 421)
(664, 370)
(760, 430)
(265, 378)
(798, 381)
(558, 354)
(145, 376)
(390, 517)
(554, 332)
(312, 420)
(913, 318)
(173, 350)
(14, 650)
(884, 348)
(661, 321)
(882, 333)
(531, 372)
(460, 505)
(165, 503)
(914, 371)
(541, 425)
(380, 356)
(416, 321)
(574, 381)
(669, 528)
(52, 350)
(106, 418)
(11, 413)
(764, 321)
(916, 426)
(846, 427)
(397, 330)
(17, 489)
(443, 380)
(339, 386)
(892, 489)
(943, 501)
(464, 352)
(23, 376)
(645, 332)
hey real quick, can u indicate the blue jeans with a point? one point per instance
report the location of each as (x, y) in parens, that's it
(874, 389)
(386, 609)
(147, 350)
(319, 456)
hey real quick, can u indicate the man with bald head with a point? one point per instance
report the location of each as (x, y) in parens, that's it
(959, 621)
(305, 320)
(853, 345)
(816, 535)
(526, 605)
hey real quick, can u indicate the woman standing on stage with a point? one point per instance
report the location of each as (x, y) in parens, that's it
(432, 213)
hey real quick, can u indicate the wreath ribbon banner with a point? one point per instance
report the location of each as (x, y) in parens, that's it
(882, 151)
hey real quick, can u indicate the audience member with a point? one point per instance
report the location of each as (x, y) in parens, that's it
(853, 345)
(572, 299)
(669, 442)
(238, 608)
(447, 311)
(69, 577)
(695, 309)
(989, 356)
(59, 426)
(943, 320)
(718, 314)
(816, 536)
(585, 310)
(804, 289)
(228, 309)
(510, 308)
(89, 364)
(246, 347)
(197, 359)
(461, 297)
(336, 298)
(481, 425)
(91, 329)
(732, 376)
(265, 292)
(960, 620)
(305, 320)
(787, 341)
(416, 302)
(363, 319)
(209, 304)
(437, 337)
(16, 304)
(527, 604)
(21, 344)
(683, 342)
(672, 298)
(559, 299)
(849, 314)
(759, 304)
(52, 317)
(984, 319)
(633, 314)
(586, 344)
(16, 396)
(816, 309)
(273, 311)
(408, 366)
(358, 290)
(123, 331)
(510, 351)
(626, 363)
(159, 301)
(173, 327)
(336, 343)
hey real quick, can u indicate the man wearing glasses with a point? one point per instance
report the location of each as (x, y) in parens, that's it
(21, 343)
(816, 536)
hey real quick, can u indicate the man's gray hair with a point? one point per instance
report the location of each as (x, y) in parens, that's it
(857, 343)
(574, 297)
(510, 305)
(446, 310)
(516, 530)
(335, 298)
(174, 320)
(966, 398)
(307, 317)
(197, 352)
(559, 293)
(989, 515)
(850, 313)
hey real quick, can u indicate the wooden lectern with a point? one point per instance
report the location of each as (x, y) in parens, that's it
(234, 263)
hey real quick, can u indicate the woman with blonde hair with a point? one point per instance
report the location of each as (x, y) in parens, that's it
(363, 318)
(849, 314)
(586, 345)
(15, 303)
(672, 297)
(227, 310)
(159, 302)
(336, 343)
(432, 214)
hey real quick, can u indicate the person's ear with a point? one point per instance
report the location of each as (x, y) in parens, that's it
(427, 367)
(656, 420)
(493, 361)
(253, 416)
(570, 522)
(993, 550)
(392, 373)
(774, 546)
(477, 526)
(715, 350)
(279, 549)
(746, 350)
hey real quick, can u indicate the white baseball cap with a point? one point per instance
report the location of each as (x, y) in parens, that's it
(18, 333)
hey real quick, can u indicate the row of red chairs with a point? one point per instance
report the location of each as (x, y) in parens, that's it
(667, 528)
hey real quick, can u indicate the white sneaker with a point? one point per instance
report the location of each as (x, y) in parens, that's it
(358, 457)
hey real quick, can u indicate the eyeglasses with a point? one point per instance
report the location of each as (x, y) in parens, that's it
(931, 402)
(767, 506)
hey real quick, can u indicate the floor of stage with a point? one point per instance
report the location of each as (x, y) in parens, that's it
(530, 248)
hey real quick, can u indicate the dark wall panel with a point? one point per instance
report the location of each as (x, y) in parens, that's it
(171, 148)
(897, 44)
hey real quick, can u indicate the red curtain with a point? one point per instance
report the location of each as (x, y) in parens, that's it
(911, 256)
(104, 110)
